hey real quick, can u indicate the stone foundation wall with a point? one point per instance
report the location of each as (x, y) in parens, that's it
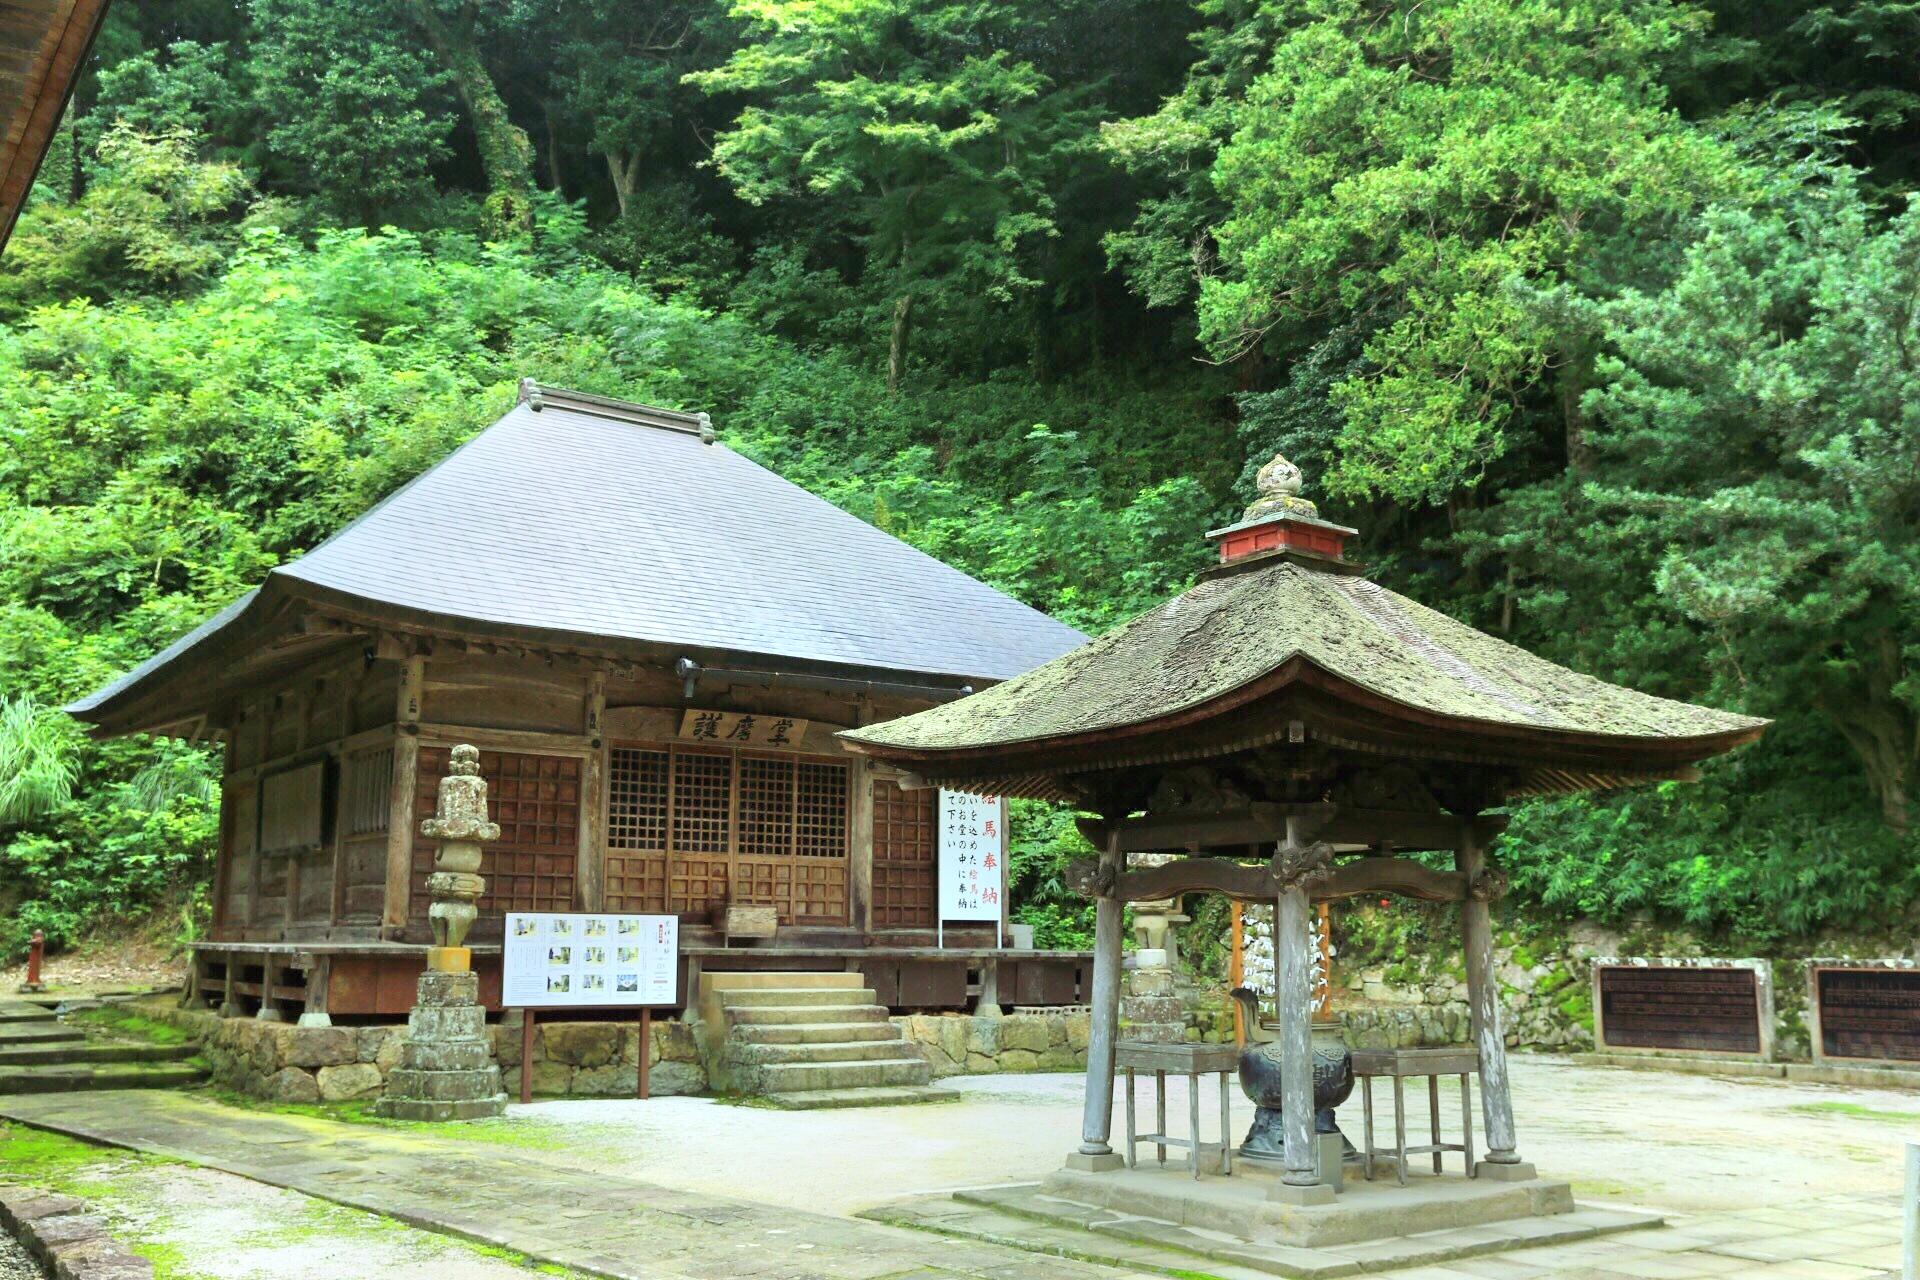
(285, 1063)
(968, 1044)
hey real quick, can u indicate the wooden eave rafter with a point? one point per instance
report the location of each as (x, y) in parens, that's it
(1299, 702)
(43, 46)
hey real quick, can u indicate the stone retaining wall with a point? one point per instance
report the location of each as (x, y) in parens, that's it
(968, 1044)
(286, 1063)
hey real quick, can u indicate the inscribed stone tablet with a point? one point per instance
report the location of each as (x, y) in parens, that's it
(1713, 1010)
(1869, 1013)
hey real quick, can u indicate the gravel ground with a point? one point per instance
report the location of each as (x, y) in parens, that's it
(15, 1262)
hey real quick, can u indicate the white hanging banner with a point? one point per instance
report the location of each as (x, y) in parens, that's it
(556, 960)
(973, 856)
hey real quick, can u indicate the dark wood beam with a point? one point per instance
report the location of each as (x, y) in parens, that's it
(1257, 882)
(1261, 823)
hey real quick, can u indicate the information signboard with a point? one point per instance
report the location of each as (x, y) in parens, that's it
(1867, 1012)
(555, 960)
(1680, 1007)
(973, 856)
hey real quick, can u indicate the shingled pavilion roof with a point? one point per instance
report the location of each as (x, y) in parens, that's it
(581, 522)
(43, 46)
(1317, 643)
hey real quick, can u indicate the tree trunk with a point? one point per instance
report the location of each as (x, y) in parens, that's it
(626, 176)
(1881, 729)
(506, 155)
(553, 150)
(897, 341)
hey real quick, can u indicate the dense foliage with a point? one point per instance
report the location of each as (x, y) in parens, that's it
(1599, 319)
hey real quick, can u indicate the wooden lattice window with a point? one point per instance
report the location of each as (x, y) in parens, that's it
(689, 829)
(368, 788)
(536, 801)
(905, 825)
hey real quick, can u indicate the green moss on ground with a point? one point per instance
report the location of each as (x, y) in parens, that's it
(1855, 1111)
(131, 1026)
(501, 1132)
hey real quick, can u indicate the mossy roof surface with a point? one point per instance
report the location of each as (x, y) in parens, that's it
(1230, 631)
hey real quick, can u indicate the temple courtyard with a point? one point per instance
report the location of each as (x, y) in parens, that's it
(1761, 1178)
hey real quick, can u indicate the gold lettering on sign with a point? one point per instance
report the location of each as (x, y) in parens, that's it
(742, 729)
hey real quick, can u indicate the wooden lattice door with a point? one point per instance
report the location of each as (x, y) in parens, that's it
(536, 801)
(904, 828)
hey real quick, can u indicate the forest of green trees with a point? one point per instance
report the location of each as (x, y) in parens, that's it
(1599, 318)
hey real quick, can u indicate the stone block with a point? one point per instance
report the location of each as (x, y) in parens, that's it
(674, 1042)
(440, 1112)
(1106, 1162)
(1024, 1031)
(290, 1084)
(312, 1047)
(443, 1086)
(506, 1043)
(438, 990)
(983, 1037)
(1019, 1060)
(619, 1080)
(390, 1050)
(581, 1044)
(1151, 982)
(980, 1064)
(348, 1081)
(447, 1023)
(446, 1055)
(1079, 1027)
(1056, 1030)
(1061, 1058)
(369, 1041)
(20, 1204)
(551, 1078)
(670, 1079)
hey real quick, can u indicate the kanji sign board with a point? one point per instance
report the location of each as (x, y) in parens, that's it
(742, 729)
(558, 960)
(973, 856)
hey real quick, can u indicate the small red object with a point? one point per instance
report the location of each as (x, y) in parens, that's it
(36, 951)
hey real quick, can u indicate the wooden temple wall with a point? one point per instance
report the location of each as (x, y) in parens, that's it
(603, 804)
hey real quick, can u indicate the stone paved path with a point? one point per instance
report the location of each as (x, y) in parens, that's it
(605, 1224)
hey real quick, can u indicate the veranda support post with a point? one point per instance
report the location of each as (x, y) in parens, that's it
(1483, 999)
(1096, 1154)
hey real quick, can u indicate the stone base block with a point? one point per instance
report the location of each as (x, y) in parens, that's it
(442, 1086)
(1288, 1193)
(1520, 1171)
(426, 1109)
(446, 1055)
(441, 990)
(1103, 1163)
(454, 1022)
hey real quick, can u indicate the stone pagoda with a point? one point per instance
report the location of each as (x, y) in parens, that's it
(446, 1069)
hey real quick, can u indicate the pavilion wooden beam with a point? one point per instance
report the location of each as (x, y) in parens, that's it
(1258, 882)
(1261, 824)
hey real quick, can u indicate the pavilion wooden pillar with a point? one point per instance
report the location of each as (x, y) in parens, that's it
(1297, 864)
(1483, 884)
(1096, 1154)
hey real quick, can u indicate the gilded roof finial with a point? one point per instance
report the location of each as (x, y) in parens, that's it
(1279, 482)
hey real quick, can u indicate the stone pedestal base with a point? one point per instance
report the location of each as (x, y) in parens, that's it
(1103, 1163)
(1517, 1172)
(1288, 1193)
(446, 1069)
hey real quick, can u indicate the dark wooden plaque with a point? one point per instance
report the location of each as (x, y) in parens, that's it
(1869, 1013)
(1668, 1007)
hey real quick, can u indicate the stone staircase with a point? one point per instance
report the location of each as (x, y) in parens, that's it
(41, 1054)
(807, 1040)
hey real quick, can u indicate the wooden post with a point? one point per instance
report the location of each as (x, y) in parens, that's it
(526, 1056)
(1237, 971)
(268, 1011)
(1096, 1123)
(408, 695)
(1483, 1001)
(1293, 980)
(230, 998)
(646, 1051)
(319, 974)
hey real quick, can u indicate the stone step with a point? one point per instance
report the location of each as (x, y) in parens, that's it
(825, 1099)
(108, 1075)
(750, 1053)
(790, 1077)
(724, 981)
(819, 1013)
(13, 1033)
(23, 1011)
(813, 1032)
(68, 1052)
(786, 997)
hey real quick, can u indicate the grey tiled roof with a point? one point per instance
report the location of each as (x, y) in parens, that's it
(591, 519)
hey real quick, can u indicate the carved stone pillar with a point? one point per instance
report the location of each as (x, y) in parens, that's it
(1298, 865)
(446, 1069)
(1096, 1124)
